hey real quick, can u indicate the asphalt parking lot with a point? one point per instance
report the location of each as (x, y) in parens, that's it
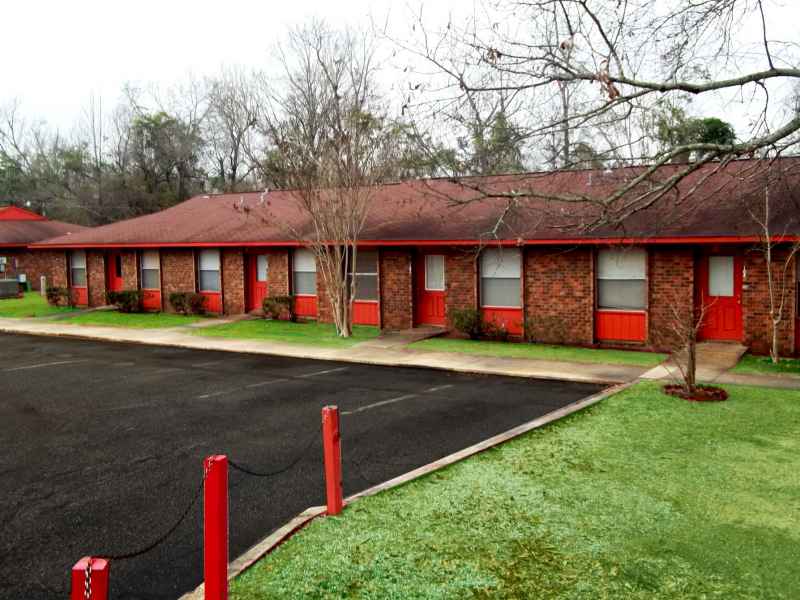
(103, 446)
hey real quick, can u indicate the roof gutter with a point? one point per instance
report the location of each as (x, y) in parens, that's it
(729, 239)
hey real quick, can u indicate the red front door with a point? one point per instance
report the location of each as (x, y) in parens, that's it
(114, 271)
(719, 287)
(257, 281)
(430, 276)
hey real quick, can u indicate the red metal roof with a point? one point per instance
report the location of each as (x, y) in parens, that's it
(20, 227)
(710, 204)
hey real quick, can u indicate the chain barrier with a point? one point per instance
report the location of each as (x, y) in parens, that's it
(159, 540)
(248, 471)
(87, 581)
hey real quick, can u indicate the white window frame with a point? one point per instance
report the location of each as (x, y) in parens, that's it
(209, 252)
(374, 274)
(302, 264)
(494, 261)
(143, 268)
(622, 275)
(78, 267)
(444, 273)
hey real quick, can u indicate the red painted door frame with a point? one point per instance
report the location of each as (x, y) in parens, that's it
(256, 290)
(114, 279)
(723, 318)
(429, 305)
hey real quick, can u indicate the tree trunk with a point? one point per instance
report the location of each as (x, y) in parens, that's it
(691, 365)
(773, 352)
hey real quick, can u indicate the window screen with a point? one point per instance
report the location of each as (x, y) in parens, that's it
(77, 268)
(261, 267)
(720, 276)
(209, 267)
(434, 272)
(151, 270)
(501, 271)
(366, 272)
(304, 273)
(622, 279)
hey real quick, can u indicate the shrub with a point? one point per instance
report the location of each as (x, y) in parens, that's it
(58, 296)
(197, 304)
(468, 321)
(188, 303)
(497, 333)
(279, 307)
(126, 301)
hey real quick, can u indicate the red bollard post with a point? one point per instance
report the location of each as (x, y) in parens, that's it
(215, 527)
(332, 448)
(94, 587)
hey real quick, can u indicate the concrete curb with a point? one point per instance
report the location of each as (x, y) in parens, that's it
(275, 539)
(423, 360)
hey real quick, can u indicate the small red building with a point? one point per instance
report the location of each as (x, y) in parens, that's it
(18, 229)
(553, 268)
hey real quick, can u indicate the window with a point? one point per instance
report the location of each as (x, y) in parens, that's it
(151, 270)
(261, 267)
(366, 272)
(720, 276)
(118, 265)
(208, 266)
(304, 273)
(77, 268)
(434, 272)
(501, 270)
(621, 279)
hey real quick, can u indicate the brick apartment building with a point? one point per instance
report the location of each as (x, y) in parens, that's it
(554, 268)
(18, 229)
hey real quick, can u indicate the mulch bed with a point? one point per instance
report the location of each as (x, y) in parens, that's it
(702, 393)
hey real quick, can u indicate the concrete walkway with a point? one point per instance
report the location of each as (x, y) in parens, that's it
(373, 352)
(714, 360)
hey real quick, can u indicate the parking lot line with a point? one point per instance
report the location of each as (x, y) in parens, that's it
(438, 388)
(315, 373)
(47, 364)
(377, 404)
(260, 383)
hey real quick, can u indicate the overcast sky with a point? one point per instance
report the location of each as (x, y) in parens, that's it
(56, 54)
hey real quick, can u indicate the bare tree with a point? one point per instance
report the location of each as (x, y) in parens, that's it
(331, 143)
(593, 71)
(777, 249)
(685, 326)
(232, 129)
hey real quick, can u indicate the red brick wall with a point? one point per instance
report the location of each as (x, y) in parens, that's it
(233, 282)
(50, 263)
(96, 277)
(177, 274)
(755, 302)
(461, 281)
(671, 283)
(559, 294)
(278, 276)
(130, 270)
(397, 304)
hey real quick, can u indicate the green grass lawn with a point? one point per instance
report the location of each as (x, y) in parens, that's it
(541, 351)
(31, 305)
(312, 333)
(641, 496)
(112, 318)
(762, 365)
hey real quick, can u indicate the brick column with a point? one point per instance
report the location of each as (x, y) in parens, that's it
(233, 281)
(96, 277)
(177, 274)
(755, 302)
(130, 270)
(461, 281)
(559, 294)
(278, 275)
(671, 283)
(396, 289)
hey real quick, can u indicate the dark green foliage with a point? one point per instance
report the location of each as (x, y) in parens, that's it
(188, 303)
(714, 131)
(279, 307)
(126, 301)
(467, 321)
(59, 296)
